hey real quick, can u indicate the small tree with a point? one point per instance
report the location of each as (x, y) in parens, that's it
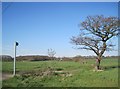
(51, 53)
(95, 33)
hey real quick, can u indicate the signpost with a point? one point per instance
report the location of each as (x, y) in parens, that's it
(15, 45)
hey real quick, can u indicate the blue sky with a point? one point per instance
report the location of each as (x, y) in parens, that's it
(40, 26)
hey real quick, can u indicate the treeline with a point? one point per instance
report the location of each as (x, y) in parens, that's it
(47, 58)
(26, 58)
(5, 58)
(34, 58)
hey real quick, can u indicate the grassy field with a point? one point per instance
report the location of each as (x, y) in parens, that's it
(62, 74)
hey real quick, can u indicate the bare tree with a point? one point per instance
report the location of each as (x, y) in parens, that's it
(95, 33)
(51, 53)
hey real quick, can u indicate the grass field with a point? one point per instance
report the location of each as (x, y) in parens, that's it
(62, 74)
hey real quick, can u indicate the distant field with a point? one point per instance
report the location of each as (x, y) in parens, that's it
(62, 74)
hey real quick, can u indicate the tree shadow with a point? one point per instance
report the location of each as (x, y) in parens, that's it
(110, 67)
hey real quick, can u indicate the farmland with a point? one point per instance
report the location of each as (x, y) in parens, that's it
(62, 74)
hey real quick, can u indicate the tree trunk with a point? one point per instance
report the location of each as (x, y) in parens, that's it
(98, 63)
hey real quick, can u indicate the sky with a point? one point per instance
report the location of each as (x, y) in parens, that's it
(38, 26)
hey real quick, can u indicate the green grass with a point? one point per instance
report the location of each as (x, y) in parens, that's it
(81, 75)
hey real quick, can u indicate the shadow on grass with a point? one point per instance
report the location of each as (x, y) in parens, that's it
(110, 67)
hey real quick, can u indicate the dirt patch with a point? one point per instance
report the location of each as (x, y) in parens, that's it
(0, 76)
(5, 76)
(97, 70)
(46, 72)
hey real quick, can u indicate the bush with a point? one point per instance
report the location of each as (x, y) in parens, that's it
(6, 58)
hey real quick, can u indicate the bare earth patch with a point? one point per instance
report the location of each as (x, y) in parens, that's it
(6, 76)
(0, 76)
(97, 70)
